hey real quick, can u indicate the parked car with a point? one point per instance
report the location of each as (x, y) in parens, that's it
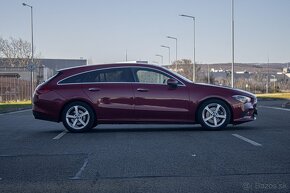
(82, 97)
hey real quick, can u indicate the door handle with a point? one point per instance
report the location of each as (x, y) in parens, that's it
(94, 89)
(142, 90)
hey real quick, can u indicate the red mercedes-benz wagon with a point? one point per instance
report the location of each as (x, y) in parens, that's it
(85, 96)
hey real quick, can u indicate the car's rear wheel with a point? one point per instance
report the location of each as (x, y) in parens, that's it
(78, 117)
(214, 114)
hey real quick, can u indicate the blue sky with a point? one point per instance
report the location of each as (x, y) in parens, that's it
(102, 30)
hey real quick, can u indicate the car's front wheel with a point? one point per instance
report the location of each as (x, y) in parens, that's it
(214, 114)
(78, 117)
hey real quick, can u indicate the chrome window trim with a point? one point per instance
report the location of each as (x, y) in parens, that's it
(108, 68)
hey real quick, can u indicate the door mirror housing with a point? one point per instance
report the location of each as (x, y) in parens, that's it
(172, 83)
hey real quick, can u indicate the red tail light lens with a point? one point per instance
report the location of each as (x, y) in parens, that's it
(42, 89)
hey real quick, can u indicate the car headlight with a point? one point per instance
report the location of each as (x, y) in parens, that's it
(242, 98)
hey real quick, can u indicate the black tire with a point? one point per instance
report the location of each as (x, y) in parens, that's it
(214, 114)
(78, 117)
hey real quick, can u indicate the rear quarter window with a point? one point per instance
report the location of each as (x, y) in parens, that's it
(107, 75)
(74, 79)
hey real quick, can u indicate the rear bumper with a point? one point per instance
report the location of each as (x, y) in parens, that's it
(43, 116)
(47, 106)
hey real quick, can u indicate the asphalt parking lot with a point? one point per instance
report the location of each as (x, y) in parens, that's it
(38, 156)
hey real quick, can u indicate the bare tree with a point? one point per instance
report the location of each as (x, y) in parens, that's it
(16, 52)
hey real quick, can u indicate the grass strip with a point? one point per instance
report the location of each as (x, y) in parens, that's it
(274, 96)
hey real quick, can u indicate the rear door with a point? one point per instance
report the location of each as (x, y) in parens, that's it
(112, 94)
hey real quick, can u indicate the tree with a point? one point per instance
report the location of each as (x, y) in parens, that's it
(184, 67)
(16, 52)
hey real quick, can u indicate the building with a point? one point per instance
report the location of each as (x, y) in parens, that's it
(44, 69)
(286, 71)
(15, 78)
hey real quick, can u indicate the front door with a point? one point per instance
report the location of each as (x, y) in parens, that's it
(156, 101)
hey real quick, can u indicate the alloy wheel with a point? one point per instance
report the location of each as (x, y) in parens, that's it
(77, 117)
(214, 115)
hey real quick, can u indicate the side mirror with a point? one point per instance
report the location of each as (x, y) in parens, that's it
(172, 83)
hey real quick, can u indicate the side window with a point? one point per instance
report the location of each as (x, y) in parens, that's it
(109, 75)
(114, 75)
(151, 77)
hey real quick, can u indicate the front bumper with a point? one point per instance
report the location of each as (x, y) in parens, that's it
(245, 113)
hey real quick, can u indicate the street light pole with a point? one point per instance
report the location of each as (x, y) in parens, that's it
(32, 50)
(194, 62)
(274, 80)
(208, 77)
(233, 45)
(170, 37)
(267, 86)
(168, 51)
(160, 57)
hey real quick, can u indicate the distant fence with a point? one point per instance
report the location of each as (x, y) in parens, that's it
(12, 88)
(15, 83)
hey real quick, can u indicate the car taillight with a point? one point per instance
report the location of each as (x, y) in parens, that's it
(42, 89)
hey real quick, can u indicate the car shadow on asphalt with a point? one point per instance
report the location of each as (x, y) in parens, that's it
(153, 128)
(161, 128)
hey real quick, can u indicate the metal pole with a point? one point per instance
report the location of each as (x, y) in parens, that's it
(176, 54)
(267, 86)
(233, 45)
(274, 83)
(32, 57)
(175, 49)
(32, 51)
(208, 78)
(170, 37)
(168, 50)
(169, 55)
(194, 62)
(126, 55)
(160, 57)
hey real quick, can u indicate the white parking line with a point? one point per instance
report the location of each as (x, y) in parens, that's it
(60, 135)
(78, 175)
(276, 108)
(247, 140)
(15, 112)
